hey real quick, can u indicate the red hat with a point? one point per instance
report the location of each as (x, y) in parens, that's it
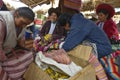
(106, 7)
(72, 4)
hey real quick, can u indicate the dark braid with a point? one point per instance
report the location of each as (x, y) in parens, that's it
(25, 12)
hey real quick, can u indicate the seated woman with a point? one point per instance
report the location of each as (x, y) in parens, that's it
(105, 13)
(12, 42)
(50, 26)
(50, 31)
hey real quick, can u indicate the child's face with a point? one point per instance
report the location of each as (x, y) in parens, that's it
(102, 17)
(67, 27)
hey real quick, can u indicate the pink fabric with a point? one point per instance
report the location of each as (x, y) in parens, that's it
(100, 72)
(59, 55)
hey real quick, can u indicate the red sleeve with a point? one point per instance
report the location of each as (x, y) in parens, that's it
(111, 30)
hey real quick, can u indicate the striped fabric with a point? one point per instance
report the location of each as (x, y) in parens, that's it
(72, 4)
(50, 46)
(100, 73)
(110, 66)
(14, 68)
(53, 45)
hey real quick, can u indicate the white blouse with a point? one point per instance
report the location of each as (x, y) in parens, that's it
(52, 27)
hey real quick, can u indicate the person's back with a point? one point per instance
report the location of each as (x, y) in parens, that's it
(83, 29)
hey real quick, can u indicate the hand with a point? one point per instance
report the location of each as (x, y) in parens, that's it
(59, 56)
(21, 42)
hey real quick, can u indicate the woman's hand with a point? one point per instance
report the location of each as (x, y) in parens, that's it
(21, 42)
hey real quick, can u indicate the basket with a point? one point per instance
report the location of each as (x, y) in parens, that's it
(87, 73)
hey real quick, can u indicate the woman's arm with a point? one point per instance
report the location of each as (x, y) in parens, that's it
(2, 37)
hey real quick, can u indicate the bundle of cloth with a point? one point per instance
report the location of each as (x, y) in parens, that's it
(44, 45)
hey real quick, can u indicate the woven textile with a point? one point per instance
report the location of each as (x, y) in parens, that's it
(54, 45)
(109, 63)
(100, 73)
(14, 67)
